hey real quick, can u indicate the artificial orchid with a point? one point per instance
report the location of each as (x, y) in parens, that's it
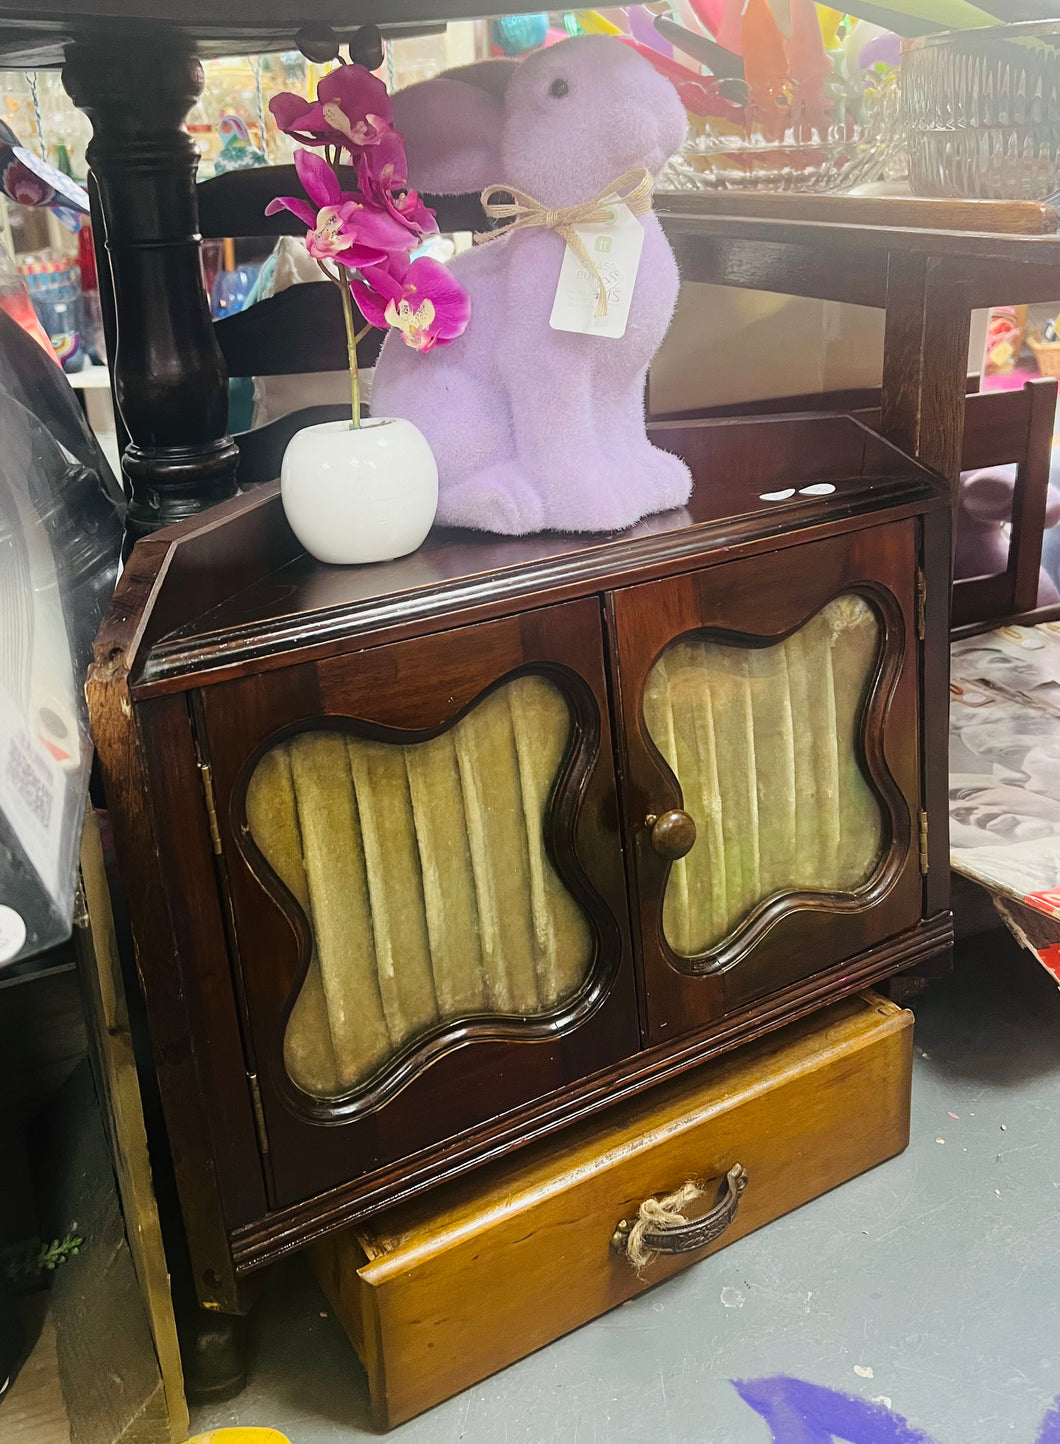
(382, 173)
(352, 109)
(352, 230)
(367, 236)
(426, 303)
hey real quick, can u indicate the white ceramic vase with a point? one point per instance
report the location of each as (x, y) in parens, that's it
(359, 494)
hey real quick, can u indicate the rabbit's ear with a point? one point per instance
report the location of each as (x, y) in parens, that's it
(452, 127)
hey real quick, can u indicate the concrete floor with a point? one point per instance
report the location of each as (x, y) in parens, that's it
(930, 1285)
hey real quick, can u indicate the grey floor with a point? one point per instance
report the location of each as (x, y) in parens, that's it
(930, 1285)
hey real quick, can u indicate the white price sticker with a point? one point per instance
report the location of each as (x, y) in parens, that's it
(615, 248)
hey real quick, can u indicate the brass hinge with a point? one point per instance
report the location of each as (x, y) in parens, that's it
(259, 1112)
(921, 605)
(923, 841)
(206, 772)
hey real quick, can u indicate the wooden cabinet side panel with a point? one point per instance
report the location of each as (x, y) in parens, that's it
(163, 843)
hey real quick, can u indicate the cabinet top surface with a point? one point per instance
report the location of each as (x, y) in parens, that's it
(221, 594)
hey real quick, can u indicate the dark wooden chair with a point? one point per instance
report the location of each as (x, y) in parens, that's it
(1001, 428)
(300, 331)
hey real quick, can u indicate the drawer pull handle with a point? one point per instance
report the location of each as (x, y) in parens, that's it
(661, 1227)
(672, 833)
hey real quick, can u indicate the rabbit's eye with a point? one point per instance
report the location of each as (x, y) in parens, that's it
(559, 88)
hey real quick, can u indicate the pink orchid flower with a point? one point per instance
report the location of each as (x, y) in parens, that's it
(341, 227)
(383, 174)
(352, 110)
(425, 302)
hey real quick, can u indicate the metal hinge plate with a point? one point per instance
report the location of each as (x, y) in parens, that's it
(921, 605)
(923, 841)
(206, 773)
(259, 1112)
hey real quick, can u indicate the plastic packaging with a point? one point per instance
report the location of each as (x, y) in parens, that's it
(60, 537)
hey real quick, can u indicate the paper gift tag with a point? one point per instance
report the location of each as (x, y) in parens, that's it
(615, 247)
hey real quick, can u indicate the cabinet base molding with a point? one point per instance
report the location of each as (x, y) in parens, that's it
(285, 1231)
(440, 1293)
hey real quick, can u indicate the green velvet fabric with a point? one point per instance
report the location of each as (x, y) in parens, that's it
(423, 871)
(762, 741)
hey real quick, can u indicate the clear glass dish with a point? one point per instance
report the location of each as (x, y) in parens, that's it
(982, 112)
(847, 137)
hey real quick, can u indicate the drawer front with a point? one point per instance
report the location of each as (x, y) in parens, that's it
(770, 739)
(438, 1295)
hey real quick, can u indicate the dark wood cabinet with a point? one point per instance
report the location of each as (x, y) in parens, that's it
(451, 941)
(776, 701)
(429, 859)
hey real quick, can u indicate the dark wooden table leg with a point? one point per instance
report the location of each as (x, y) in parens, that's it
(925, 374)
(169, 378)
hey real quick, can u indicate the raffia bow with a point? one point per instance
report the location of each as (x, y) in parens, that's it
(632, 189)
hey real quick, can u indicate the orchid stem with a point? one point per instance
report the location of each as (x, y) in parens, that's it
(351, 352)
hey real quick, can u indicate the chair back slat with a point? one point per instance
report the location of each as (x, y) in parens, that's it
(293, 334)
(1001, 428)
(261, 451)
(233, 204)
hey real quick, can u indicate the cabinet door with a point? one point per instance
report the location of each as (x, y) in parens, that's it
(427, 896)
(775, 701)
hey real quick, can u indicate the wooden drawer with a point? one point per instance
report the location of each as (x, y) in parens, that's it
(438, 1294)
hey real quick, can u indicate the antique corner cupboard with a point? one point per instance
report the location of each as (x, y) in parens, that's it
(429, 859)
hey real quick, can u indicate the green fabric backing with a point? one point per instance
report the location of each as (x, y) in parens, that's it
(762, 741)
(423, 871)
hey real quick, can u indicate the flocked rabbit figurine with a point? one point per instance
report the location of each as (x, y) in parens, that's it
(532, 428)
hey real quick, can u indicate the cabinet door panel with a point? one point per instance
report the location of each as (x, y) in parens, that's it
(427, 895)
(774, 701)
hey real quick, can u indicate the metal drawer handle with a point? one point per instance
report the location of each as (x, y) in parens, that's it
(661, 1227)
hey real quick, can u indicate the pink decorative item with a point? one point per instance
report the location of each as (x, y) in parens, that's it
(730, 32)
(364, 491)
(535, 428)
(367, 236)
(709, 13)
(809, 67)
(982, 544)
(425, 302)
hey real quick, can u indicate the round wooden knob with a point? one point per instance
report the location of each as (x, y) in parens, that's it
(672, 833)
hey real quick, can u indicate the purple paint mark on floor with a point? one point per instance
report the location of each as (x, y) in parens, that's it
(1050, 1430)
(802, 1413)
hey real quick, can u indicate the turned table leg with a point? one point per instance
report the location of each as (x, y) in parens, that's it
(170, 385)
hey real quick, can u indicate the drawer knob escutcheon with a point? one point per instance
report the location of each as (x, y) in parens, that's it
(673, 833)
(660, 1225)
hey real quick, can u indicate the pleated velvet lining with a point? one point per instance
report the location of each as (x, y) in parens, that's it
(762, 741)
(423, 871)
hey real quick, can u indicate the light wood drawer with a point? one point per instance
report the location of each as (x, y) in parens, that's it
(438, 1294)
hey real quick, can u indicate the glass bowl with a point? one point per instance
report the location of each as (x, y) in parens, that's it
(843, 137)
(982, 112)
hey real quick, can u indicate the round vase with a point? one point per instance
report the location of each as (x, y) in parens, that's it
(359, 494)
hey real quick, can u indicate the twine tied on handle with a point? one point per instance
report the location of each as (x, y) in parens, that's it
(657, 1213)
(661, 1227)
(633, 190)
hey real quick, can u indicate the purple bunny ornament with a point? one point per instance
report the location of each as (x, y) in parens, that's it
(535, 429)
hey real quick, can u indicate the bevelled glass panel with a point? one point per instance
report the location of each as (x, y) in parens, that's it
(763, 743)
(423, 870)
